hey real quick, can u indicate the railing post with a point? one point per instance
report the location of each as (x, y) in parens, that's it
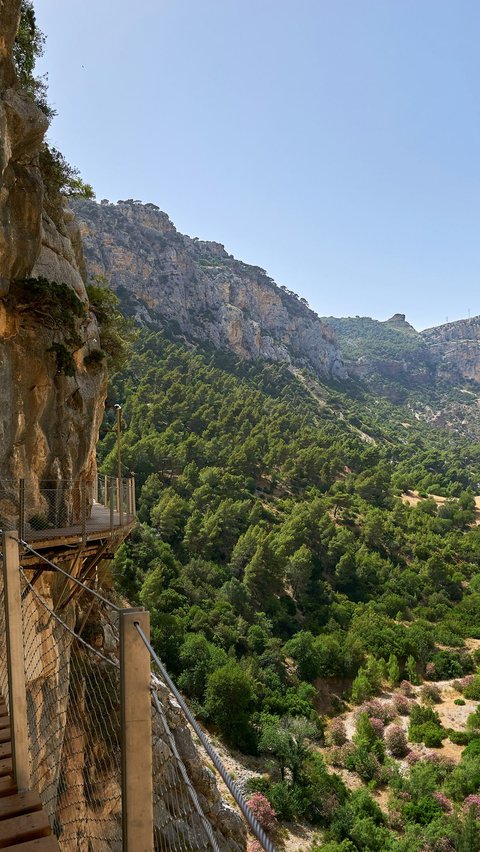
(134, 507)
(105, 489)
(111, 505)
(95, 489)
(83, 493)
(17, 695)
(136, 733)
(120, 499)
(21, 509)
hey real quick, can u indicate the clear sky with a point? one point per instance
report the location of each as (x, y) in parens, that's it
(336, 143)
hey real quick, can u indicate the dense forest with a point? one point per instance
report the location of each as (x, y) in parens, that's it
(289, 581)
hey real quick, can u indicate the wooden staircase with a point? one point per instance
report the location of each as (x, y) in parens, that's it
(24, 825)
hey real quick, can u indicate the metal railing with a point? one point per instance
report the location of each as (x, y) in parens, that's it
(105, 741)
(41, 509)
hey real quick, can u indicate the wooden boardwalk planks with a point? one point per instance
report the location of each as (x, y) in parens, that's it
(24, 826)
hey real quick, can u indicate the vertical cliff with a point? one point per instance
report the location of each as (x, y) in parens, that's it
(51, 401)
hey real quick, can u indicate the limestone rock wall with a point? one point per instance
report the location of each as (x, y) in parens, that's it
(455, 348)
(201, 290)
(49, 419)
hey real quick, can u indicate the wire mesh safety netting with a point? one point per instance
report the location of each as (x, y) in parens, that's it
(179, 822)
(73, 706)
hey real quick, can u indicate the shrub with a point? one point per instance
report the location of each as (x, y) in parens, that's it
(406, 688)
(472, 691)
(423, 811)
(396, 741)
(428, 733)
(263, 811)
(461, 685)
(443, 801)
(460, 702)
(378, 727)
(458, 737)
(472, 801)
(431, 694)
(401, 704)
(412, 758)
(337, 733)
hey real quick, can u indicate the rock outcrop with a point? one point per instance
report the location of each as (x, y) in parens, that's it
(455, 348)
(200, 290)
(51, 402)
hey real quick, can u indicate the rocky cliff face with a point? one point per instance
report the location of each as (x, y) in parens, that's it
(200, 290)
(49, 415)
(455, 348)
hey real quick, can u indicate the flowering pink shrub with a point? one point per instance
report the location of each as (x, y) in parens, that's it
(378, 727)
(383, 710)
(412, 758)
(262, 809)
(401, 704)
(439, 760)
(430, 671)
(396, 741)
(472, 801)
(337, 733)
(406, 688)
(443, 801)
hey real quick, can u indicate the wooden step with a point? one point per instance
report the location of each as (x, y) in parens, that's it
(22, 828)
(7, 786)
(20, 803)
(4, 722)
(5, 750)
(5, 735)
(5, 767)
(41, 844)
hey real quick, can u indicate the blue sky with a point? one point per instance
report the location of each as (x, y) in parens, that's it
(336, 143)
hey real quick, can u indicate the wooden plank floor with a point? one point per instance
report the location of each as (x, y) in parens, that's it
(24, 825)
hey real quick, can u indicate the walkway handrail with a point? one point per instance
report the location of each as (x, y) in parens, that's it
(71, 506)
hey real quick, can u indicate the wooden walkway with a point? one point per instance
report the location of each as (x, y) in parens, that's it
(98, 526)
(24, 825)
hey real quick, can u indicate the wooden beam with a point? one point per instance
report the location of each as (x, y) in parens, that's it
(17, 696)
(136, 728)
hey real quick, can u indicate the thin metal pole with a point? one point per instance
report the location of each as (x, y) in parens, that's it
(118, 409)
(84, 512)
(111, 506)
(136, 733)
(17, 694)
(21, 508)
(133, 496)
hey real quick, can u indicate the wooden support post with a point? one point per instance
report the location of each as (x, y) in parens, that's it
(105, 490)
(17, 695)
(84, 511)
(136, 736)
(21, 509)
